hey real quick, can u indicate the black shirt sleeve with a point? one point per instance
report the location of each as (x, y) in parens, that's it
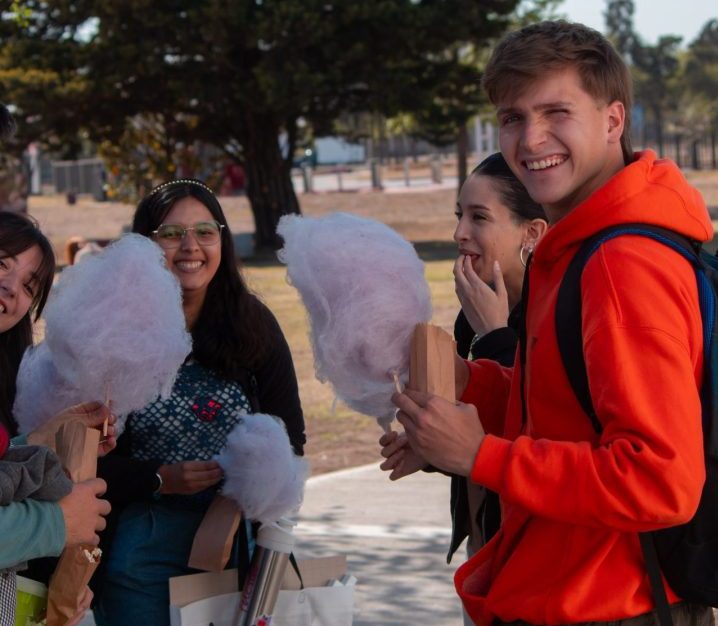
(128, 480)
(463, 334)
(277, 390)
(498, 345)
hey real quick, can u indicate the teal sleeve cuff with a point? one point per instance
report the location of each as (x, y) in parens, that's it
(20, 440)
(29, 530)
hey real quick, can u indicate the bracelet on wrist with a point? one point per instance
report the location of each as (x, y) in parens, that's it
(160, 482)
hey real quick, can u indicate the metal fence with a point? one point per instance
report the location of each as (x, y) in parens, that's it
(86, 176)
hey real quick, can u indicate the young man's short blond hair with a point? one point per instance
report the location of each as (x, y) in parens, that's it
(525, 55)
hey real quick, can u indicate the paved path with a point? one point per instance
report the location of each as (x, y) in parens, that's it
(395, 536)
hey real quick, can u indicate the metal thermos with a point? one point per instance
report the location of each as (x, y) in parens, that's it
(266, 573)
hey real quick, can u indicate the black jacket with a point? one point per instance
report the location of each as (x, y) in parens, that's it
(498, 345)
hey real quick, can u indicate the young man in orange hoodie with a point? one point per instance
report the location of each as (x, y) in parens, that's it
(574, 500)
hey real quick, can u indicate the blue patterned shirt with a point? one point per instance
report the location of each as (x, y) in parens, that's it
(193, 423)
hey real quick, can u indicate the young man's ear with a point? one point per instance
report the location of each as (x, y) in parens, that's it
(616, 117)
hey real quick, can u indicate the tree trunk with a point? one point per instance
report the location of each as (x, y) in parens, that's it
(269, 182)
(695, 160)
(462, 149)
(14, 185)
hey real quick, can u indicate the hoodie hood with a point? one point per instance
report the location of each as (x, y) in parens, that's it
(648, 191)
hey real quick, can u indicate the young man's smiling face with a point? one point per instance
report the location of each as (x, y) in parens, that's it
(560, 142)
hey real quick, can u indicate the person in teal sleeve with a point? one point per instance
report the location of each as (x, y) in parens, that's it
(32, 528)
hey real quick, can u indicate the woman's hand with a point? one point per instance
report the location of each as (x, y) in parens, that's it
(91, 414)
(401, 459)
(486, 309)
(189, 477)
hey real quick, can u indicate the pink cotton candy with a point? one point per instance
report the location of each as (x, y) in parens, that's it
(114, 328)
(363, 286)
(261, 472)
(41, 391)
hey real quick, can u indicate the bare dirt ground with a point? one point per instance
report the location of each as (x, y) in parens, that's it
(336, 437)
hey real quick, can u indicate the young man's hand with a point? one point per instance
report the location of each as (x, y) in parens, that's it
(445, 434)
(401, 459)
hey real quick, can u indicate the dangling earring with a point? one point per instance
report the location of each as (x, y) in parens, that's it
(528, 249)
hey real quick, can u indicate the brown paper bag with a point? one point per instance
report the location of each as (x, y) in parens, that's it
(213, 540)
(76, 446)
(73, 572)
(431, 368)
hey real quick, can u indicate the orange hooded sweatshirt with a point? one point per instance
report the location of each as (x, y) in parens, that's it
(573, 501)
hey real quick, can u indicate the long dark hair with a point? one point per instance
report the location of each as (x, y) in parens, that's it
(17, 234)
(233, 331)
(513, 193)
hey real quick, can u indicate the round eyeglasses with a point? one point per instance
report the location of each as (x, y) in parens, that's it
(171, 235)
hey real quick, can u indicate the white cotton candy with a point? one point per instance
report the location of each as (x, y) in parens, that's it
(261, 472)
(115, 326)
(41, 392)
(364, 288)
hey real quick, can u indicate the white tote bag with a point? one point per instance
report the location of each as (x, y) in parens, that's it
(201, 599)
(312, 606)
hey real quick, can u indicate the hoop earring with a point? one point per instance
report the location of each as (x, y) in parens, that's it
(528, 249)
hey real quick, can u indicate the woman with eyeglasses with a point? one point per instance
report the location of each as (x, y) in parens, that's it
(162, 477)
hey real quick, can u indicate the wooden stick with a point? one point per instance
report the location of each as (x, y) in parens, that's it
(108, 404)
(397, 383)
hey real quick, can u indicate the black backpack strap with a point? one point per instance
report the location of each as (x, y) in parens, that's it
(569, 306)
(570, 343)
(569, 329)
(523, 338)
(663, 610)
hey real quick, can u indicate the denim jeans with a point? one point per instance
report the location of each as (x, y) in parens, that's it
(151, 546)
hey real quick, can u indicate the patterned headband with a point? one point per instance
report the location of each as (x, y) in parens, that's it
(181, 181)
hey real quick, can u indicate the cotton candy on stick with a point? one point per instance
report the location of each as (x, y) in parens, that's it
(264, 480)
(363, 286)
(115, 322)
(42, 392)
(261, 472)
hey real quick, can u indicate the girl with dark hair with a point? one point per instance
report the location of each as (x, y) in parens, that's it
(27, 268)
(499, 226)
(240, 361)
(35, 527)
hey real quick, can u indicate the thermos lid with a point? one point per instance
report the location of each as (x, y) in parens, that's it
(277, 536)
